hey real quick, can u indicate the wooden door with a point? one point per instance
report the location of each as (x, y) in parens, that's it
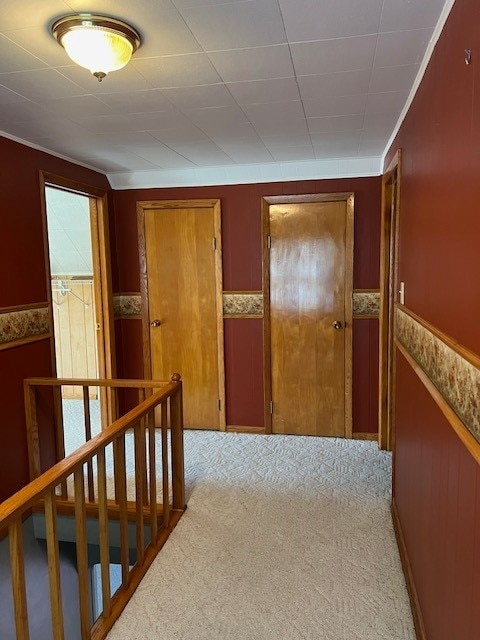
(184, 306)
(309, 255)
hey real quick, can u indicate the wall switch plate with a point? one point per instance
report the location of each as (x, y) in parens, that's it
(401, 292)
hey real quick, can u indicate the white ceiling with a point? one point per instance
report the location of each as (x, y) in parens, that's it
(217, 83)
(69, 235)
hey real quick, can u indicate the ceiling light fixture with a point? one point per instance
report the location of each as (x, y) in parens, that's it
(98, 43)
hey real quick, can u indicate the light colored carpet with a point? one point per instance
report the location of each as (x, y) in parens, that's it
(285, 538)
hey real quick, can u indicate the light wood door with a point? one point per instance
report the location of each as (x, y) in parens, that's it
(184, 289)
(309, 321)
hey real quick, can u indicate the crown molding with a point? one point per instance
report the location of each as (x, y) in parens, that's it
(437, 32)
(247, 174)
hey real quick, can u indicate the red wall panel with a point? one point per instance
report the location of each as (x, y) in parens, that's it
(242, 271)
(365, 375)
(244, 371)
(23, 282)
(15, 365)
(437, 491)
(437, 482)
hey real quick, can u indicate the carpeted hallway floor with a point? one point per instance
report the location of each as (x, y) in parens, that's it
(285, 538)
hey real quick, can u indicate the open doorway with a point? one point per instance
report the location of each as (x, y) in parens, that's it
(73, 306)
(78, 272)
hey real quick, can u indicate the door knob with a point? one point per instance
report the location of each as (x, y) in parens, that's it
(336, 324)
(155, 323)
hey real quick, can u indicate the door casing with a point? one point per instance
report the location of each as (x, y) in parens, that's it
(102, 289)
(349, 198)
(388, 294)
(144, 206)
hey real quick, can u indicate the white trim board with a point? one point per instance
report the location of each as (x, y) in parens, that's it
(248, 174)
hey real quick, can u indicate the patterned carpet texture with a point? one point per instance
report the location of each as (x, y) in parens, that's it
(285, 538)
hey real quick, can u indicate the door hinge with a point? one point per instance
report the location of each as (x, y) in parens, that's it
(214, 243)
(219, 404)
(271, 407)
(269, 242)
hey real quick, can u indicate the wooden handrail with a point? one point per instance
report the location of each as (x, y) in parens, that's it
(158, 401)
(25, 498)
(99, 382)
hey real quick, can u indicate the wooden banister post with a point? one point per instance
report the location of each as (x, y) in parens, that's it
(32, 430)
(176, 425)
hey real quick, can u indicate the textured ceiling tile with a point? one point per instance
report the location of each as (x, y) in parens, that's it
(7, 96)
(212, 95)
(338, 19)
(24, 111)
(30, 13)
(178, 71)
(385, 103)
(237, 25)
(289, 154)
(335, 123)
(40, 84)
(393, 78)
(183, 4)
(15, 58)
(345, 83)
(335, 106)
(275, 111)
(253, 64)
(329, 56)
(286, 139)
(401, 48)
(135, 102)
(413, 14)
(75, 107)
(258, 91)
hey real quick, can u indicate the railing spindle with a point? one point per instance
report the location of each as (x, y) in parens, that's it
(139, 444)
(165, 472)
(82, 557)
(54, 566)
(88, 436)
(121, 499)
(17, 564)
(152, 463)
(176, 425)
(103, 531)
(59, 432)
(143, 422)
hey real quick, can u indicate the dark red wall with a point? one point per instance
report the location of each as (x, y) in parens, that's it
(437, 482)
(440, 223)
(23, 282)
(242, 271)
(437, 492)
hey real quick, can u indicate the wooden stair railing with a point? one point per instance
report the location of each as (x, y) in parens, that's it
(78, 485)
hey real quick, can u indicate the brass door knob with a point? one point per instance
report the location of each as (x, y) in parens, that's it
(336, 324)
(155, 323)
